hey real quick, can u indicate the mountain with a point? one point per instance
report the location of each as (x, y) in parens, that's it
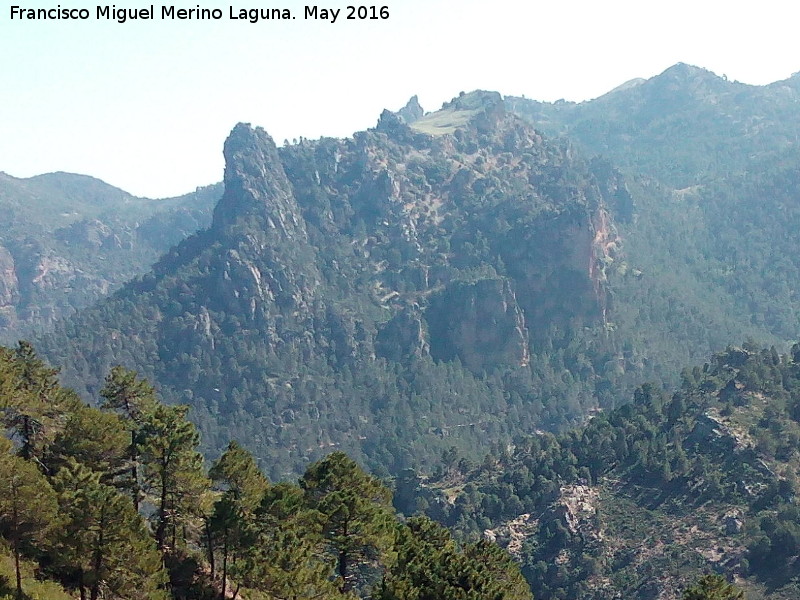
(393, 294)
(68, 240)
(682, 126)
(457, 278)
(643, 499)
(713, 165)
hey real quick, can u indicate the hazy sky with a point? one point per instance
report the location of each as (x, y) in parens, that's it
(147, 105)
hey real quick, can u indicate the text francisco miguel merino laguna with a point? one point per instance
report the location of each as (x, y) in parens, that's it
(253, 15)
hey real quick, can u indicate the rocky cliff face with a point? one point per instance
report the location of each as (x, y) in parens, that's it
(412, 111)
(479, 323)
(9, 289)
(256, 186)
(273, 262)
(404, 336)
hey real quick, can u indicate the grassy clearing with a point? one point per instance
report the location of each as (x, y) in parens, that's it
(443, 121)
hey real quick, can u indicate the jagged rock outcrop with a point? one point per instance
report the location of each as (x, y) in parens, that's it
(412, 111)
(269, 259)
(256, 186)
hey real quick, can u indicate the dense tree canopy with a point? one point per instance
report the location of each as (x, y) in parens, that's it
(66, 504)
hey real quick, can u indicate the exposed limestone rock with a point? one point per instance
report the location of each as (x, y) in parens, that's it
(256, 186)
(9, 289)
(577, 508)
(733, 522)
(512, 534)
(91, 234)
(273, 262)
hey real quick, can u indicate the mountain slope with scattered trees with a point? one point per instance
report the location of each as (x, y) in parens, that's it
(455, 277)
(643, 499)
(68, 240)
(389, 295)
(713, 165)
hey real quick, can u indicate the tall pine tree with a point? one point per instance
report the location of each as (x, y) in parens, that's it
(357, 517)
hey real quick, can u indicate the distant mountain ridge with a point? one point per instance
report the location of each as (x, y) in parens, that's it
(696, 119)
(70, 239)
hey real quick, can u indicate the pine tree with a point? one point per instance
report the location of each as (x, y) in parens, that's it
(236, 470)
(95, 439)
(712, 587)
(357, 516)
(285, 557)
(33, 406)
(244, 485)
(172, 468)
(27, 504)
(132, 398)
(429, 566)
(104, 541)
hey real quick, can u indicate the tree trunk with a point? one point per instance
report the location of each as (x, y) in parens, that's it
(27, 438)
(210, 548)
(225, 564)
(174, 530)
(98, 559)
(134, 471)
(161, 529)
(344, 563)
(343, 572)
(16, 567)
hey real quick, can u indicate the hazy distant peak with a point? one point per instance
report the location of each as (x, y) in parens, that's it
(686, 73)
(64, 176)
(628, 85)
(412, 111)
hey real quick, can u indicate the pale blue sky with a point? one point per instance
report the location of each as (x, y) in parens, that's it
(147, 105)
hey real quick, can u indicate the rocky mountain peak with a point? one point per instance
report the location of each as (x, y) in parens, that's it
(256, 185)
(412, 111)
(685, 71)
(683, 79)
